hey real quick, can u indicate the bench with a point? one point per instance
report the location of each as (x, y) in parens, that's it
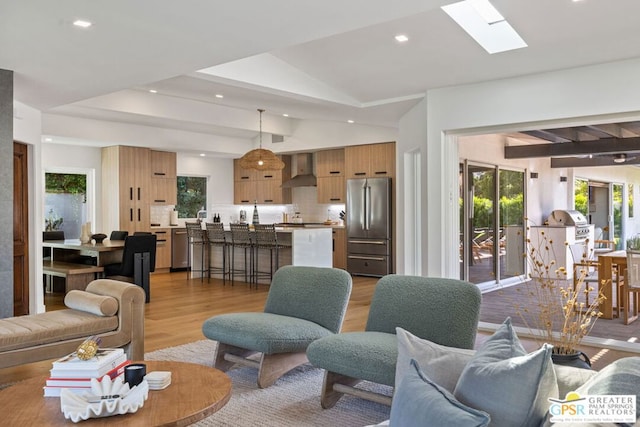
(45, 336)
(77, 276)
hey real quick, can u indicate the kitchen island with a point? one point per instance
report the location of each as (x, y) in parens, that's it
(312, 247)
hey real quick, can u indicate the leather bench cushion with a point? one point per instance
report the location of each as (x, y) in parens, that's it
(53, 326)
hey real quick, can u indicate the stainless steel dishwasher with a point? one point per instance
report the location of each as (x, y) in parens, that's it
(180, 259)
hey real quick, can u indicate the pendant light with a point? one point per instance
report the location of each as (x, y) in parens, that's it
(260, 158)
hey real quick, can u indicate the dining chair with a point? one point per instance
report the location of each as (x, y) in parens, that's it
(118, 235)
(138, 261)
(631, 285)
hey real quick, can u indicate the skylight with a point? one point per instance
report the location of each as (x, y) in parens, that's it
(485, 25)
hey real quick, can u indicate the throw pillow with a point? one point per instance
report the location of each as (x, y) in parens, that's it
(418, 401)
(100, 305)
(442, 364)
(506, 382)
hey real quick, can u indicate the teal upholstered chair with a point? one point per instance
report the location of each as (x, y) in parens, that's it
(445, 311)
(303, 305)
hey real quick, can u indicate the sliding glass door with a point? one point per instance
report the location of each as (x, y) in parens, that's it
(491, 218)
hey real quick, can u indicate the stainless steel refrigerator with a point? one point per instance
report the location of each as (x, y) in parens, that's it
(369, 226)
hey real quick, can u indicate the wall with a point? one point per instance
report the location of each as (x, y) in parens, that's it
(6, 193)
(564, 98)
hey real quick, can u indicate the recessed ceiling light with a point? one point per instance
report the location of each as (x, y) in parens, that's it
(153, 91)
(285, 114)
(82, 23)
(219, 96)
(48, 139)
(402, 38)
(350, 121)
(202, 154)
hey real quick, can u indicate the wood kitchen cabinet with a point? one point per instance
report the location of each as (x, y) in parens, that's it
(164, 181)
(163, 248)
(340, 248)
(265, 187)
(331, 189)
(330, 162)
(163, 164)
(370, 161)
(126, 188)
(330, 174)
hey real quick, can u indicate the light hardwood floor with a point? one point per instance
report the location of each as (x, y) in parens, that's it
(180, 305)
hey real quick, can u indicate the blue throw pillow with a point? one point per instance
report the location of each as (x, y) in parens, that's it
(512, 386)
(418, 401)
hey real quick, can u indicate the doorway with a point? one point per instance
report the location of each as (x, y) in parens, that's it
(20, 230)
(491, 223)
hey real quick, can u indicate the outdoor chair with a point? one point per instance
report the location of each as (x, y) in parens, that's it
(631, 285)
(445, 311)
(303, 305)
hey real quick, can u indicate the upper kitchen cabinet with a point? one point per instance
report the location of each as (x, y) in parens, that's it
(164, 181)
(370, 161)
(126, 193)
(330, 163)
(330, 173)
(163, 164)
(263, 187)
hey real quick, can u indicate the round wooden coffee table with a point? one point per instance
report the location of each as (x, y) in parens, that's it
(196, 391)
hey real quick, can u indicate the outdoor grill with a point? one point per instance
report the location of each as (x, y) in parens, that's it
(569, 218)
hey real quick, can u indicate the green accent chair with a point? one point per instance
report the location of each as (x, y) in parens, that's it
(303, 305)
(445, 311)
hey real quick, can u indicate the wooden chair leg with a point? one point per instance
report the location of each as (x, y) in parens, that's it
(273, 366)
(219, 362)
(329, 396)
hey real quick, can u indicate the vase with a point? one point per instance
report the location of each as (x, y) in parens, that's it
(577, 360)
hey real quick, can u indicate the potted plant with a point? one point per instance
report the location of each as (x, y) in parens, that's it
(558, 310)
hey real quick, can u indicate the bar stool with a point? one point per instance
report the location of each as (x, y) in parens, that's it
(267, 238)
(241, 239)
(217, 238)
(197, 237)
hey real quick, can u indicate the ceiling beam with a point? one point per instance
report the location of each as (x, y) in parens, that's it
(601, 146)
(578, 162)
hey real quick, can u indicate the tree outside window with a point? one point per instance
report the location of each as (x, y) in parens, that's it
(630, 199)
(192, 196)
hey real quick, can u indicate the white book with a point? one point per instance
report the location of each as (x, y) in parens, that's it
(103, 357)
(70, 372)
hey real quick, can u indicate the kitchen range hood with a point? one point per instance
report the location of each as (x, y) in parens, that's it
(304, 172)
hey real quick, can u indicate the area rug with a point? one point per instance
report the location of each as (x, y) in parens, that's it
(294, 400)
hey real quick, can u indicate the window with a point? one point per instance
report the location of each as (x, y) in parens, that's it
(65, 204)
(581, 196)
(192, 196)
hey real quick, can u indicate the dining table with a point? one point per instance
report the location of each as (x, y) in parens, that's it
(106, 252)
(606, 263)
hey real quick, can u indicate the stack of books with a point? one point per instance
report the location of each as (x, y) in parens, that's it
(75, 374)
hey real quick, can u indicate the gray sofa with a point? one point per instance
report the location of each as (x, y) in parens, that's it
(110, 309)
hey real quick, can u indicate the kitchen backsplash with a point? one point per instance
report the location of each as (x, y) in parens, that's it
(305, 199)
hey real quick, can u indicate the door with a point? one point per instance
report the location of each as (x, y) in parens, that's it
(20, 230)
(491, 222)
(377, 197)
(356, 208)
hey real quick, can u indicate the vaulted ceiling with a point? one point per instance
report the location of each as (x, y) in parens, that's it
(330, 61)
